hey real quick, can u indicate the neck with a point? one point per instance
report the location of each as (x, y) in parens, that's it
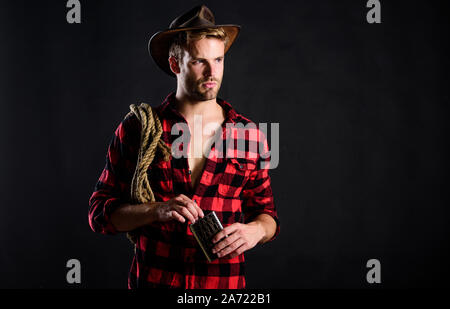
(189, 107)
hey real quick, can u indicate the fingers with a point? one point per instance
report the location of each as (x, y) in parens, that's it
(194, 210)
(239, 251)
(185, 213)
(199, 210)
(225, 232)
(175, 215)
(234, 244)
(231, 248)
(226, 242)
(192, 203)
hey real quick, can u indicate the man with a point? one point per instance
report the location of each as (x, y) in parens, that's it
(237, 189)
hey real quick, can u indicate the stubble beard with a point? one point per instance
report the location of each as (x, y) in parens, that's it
(199, 93)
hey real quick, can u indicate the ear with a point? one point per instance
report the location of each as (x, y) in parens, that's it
(174, 66)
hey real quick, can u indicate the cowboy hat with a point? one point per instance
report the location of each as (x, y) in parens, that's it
(199, 17)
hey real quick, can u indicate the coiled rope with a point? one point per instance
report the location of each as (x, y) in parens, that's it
(151, 131)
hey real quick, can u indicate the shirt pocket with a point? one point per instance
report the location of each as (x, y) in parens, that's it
(237, 171)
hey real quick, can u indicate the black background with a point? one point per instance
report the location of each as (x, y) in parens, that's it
(363, 118)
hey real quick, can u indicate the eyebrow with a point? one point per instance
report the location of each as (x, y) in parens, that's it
(195, 58)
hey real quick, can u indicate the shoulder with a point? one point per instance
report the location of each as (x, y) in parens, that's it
(249, 124)
(129, 130)
(253, 133)
(234, 113)
(242, 119)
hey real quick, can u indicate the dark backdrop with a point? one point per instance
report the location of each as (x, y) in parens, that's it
(363, 116)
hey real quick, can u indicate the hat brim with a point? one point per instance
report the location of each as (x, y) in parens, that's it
(159, 43)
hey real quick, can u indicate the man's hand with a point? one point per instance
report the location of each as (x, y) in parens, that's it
(178, 208)
(239, 238)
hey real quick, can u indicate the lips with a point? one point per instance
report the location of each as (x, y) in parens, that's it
(209, 84)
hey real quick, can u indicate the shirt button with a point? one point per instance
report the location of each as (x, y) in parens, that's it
(190, 172)
(241, 166)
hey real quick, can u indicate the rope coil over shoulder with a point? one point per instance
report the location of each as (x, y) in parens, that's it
(151, 131)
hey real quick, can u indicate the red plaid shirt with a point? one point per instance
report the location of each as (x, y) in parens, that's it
(236, 188)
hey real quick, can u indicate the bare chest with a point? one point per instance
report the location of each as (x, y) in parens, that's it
(202, 136)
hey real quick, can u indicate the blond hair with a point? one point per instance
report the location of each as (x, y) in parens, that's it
(183, 40)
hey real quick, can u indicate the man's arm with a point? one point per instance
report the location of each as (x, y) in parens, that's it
(110, 211)
(242, 237)
(129, 217)
(260, 215)
(112, 189)
(267, 225)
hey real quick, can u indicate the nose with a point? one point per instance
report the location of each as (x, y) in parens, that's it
(210, 69)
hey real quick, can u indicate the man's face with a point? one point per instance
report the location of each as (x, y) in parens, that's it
(201, 70)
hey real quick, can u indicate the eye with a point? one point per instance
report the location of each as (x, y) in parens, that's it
(219, 59)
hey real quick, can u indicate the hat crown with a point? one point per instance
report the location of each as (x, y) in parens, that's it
(199, 16)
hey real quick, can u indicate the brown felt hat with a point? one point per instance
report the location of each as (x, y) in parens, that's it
(199, 17)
